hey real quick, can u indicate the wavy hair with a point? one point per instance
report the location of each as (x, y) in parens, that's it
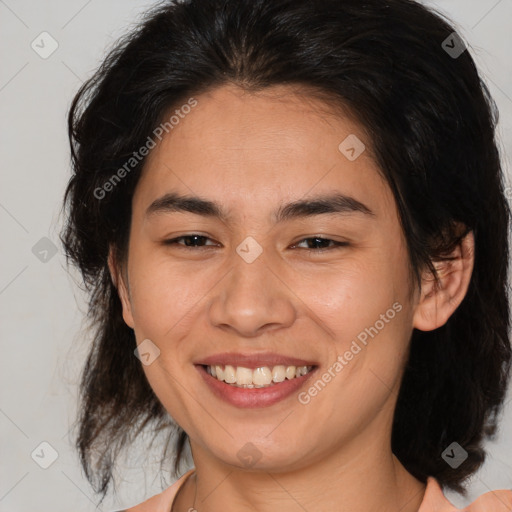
(431, 122)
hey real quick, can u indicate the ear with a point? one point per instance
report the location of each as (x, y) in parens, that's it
(438, 301)
(122, 288)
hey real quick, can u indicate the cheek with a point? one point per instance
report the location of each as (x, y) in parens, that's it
(164, 294)
(353, 295)
(365, 306)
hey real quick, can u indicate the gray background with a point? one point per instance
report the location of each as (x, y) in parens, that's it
(42, 349)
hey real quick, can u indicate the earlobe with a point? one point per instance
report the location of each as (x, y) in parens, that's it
(122, 289)
(438, 301)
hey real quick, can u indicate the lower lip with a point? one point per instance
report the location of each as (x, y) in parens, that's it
(255, 397)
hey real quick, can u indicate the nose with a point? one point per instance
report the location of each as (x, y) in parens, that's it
(251, 299)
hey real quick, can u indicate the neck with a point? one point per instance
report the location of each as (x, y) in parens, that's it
(357, 482)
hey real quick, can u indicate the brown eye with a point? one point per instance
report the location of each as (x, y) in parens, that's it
(191, 241)
(320, 244)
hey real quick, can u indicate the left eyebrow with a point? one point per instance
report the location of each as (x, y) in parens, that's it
(336, 203)
(323, 204)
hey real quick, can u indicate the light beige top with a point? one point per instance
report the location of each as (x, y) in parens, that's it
(433, 500)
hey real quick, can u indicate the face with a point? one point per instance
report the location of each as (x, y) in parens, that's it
(264, 285)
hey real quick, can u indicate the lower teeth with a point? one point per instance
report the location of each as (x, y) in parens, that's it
(251, 386)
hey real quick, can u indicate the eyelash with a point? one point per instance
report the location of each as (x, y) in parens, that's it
(337, 245)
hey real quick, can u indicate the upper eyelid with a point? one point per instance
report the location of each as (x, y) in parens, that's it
(174, 239)
(323, 238)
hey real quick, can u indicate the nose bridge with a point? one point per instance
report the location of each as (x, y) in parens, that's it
(252, 297)
(251, 272)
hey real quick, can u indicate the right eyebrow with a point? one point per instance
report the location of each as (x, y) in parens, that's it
(173, 202)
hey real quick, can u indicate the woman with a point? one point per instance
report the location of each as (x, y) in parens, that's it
(290, 217)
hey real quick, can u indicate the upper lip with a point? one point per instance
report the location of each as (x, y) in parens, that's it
(252, 361)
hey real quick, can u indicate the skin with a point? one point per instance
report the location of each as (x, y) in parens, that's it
(252, 153)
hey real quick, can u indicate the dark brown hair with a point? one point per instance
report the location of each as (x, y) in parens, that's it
(432, 126)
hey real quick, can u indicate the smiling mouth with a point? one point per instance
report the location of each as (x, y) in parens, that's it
(262, 377)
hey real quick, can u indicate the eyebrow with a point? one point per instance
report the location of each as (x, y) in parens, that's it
(334, 203)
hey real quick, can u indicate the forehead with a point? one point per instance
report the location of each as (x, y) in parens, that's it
(253, 148)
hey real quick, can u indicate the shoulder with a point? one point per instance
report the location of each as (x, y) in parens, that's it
(163, 501)
(435, 501)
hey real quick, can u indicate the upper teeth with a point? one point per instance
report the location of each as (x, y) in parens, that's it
(257, 378)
